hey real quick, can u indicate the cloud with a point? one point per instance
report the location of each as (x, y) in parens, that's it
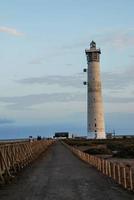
(63, 81)
(36, 61)
(131, 56)
(115, 83)
(26, 102)
(113, 38)
(6, 121)
(69, 65)
(11, 31)
(82, 43)
(114, 99)
(117, 38)
(118, 80)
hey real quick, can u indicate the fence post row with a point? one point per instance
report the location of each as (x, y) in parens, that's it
(122, 175)
(16, 155)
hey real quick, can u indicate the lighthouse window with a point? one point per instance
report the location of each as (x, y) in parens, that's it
(88, 58)
(95, 125)
(94, 56)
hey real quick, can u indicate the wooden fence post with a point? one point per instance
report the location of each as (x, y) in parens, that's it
(122, 175)
(16, 155)
(109, 169)
(119, 174)
(124, 178)
(114, 174)
(130, 179)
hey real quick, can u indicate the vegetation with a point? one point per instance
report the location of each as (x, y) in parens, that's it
(123, 148)
(100, 150)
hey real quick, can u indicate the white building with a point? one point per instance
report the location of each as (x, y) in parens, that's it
(95, 113)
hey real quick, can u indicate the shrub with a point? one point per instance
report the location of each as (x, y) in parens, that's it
(126, 152)
(95, 151)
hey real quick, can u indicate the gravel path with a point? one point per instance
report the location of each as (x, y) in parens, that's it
(59, 175)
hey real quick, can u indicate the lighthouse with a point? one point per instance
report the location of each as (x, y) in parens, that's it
(95, 112)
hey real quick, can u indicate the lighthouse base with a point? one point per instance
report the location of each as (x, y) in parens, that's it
(96, 135)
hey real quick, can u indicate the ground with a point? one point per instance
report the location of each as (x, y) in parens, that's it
(121, 161)
(59, 175)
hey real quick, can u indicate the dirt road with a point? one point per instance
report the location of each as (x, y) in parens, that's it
(59, 175)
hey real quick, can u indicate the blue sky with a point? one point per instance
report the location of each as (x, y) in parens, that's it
(42, 45)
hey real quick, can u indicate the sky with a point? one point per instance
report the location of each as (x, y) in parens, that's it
(42, 56)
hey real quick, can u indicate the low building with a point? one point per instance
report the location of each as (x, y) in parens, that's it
(61, 135)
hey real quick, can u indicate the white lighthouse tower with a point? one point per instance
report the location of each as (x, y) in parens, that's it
(95, 113)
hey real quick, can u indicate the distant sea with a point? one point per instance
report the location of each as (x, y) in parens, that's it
(17, 132)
